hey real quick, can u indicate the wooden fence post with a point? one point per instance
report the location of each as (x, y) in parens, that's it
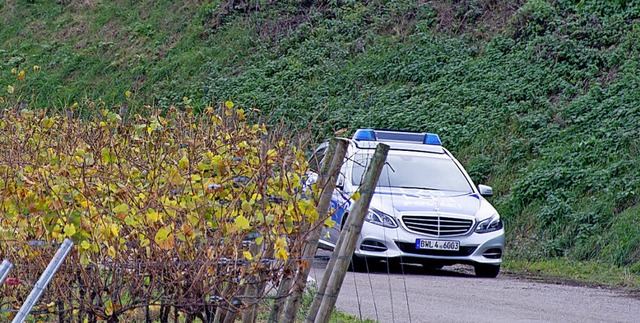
(253, 289)
(311, 243)
(323, 180)
(351, 232)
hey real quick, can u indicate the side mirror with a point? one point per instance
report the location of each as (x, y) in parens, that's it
(485, 190)
(340, 182)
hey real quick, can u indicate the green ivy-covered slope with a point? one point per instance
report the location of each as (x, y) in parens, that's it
(540, 99)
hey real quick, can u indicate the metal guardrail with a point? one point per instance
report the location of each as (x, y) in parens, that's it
(44, 280)
(5, 267)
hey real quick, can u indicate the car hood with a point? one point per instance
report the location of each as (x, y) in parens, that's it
(398, 201)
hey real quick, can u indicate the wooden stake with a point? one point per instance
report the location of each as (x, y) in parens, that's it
(311, 243)
(351, 232)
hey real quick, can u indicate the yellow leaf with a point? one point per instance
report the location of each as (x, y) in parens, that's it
(229, 104)
(329, 223)
(106, 155)
(121, 209)
(247, 255)
(246, 207)
(241, 114)
(162, 234)
(288, 225)
(108, 308)
(183, 163)
(47, 123)
(282, 254)
(259, 240)
(174, 177)
(355, 196)
(114, 229)
(69, 230)
(281, 243)
(241, 223)
(153, 216)
(111, 252)
(164, 238)
(10, 89)
(85, 245)
(187, 229)
(131, 220)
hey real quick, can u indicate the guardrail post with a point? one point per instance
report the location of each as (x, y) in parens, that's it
(44, 280)
(5, 267)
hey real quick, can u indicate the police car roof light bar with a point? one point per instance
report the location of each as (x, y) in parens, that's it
(398, 136)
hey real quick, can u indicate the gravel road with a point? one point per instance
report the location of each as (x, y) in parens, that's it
(455, 295)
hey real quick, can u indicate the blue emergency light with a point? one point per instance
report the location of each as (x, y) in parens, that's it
(397, 136)
(365, 134)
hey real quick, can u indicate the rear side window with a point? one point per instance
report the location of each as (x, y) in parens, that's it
(316, 159)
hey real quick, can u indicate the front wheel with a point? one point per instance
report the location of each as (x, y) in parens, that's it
(487, 271)
(364, 264)
(358, 264)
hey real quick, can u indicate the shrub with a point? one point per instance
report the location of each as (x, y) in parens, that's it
(172, 209)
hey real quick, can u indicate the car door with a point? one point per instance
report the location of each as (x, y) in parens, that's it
(339, 204)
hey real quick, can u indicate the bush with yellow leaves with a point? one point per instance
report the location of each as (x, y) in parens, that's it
(177, 210)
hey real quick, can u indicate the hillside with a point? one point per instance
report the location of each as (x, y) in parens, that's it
(537, 98)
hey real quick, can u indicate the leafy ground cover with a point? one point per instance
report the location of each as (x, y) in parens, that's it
(537, 98)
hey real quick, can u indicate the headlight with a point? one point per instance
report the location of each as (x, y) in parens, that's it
(489, 225)
(379, 218)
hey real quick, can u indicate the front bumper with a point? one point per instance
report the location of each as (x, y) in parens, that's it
(475, 248)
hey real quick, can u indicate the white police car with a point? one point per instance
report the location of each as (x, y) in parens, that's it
(425, 209)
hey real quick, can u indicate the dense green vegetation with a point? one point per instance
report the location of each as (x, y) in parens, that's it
(537, 98)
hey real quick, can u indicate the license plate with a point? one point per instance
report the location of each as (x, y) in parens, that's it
(437, 244)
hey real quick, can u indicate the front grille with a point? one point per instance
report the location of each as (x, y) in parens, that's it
(411, 248)
(439, 226)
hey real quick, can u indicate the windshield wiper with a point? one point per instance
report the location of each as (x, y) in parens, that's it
(419, 188)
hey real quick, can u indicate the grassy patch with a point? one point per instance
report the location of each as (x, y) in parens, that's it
(575, 272)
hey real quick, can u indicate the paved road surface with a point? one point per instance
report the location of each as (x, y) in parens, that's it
(455, 296)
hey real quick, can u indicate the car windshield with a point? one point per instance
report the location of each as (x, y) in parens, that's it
(422, 171)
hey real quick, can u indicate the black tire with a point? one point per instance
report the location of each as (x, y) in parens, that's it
(358, 264)
(430, 265)
(487, 271)
(363, 264)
